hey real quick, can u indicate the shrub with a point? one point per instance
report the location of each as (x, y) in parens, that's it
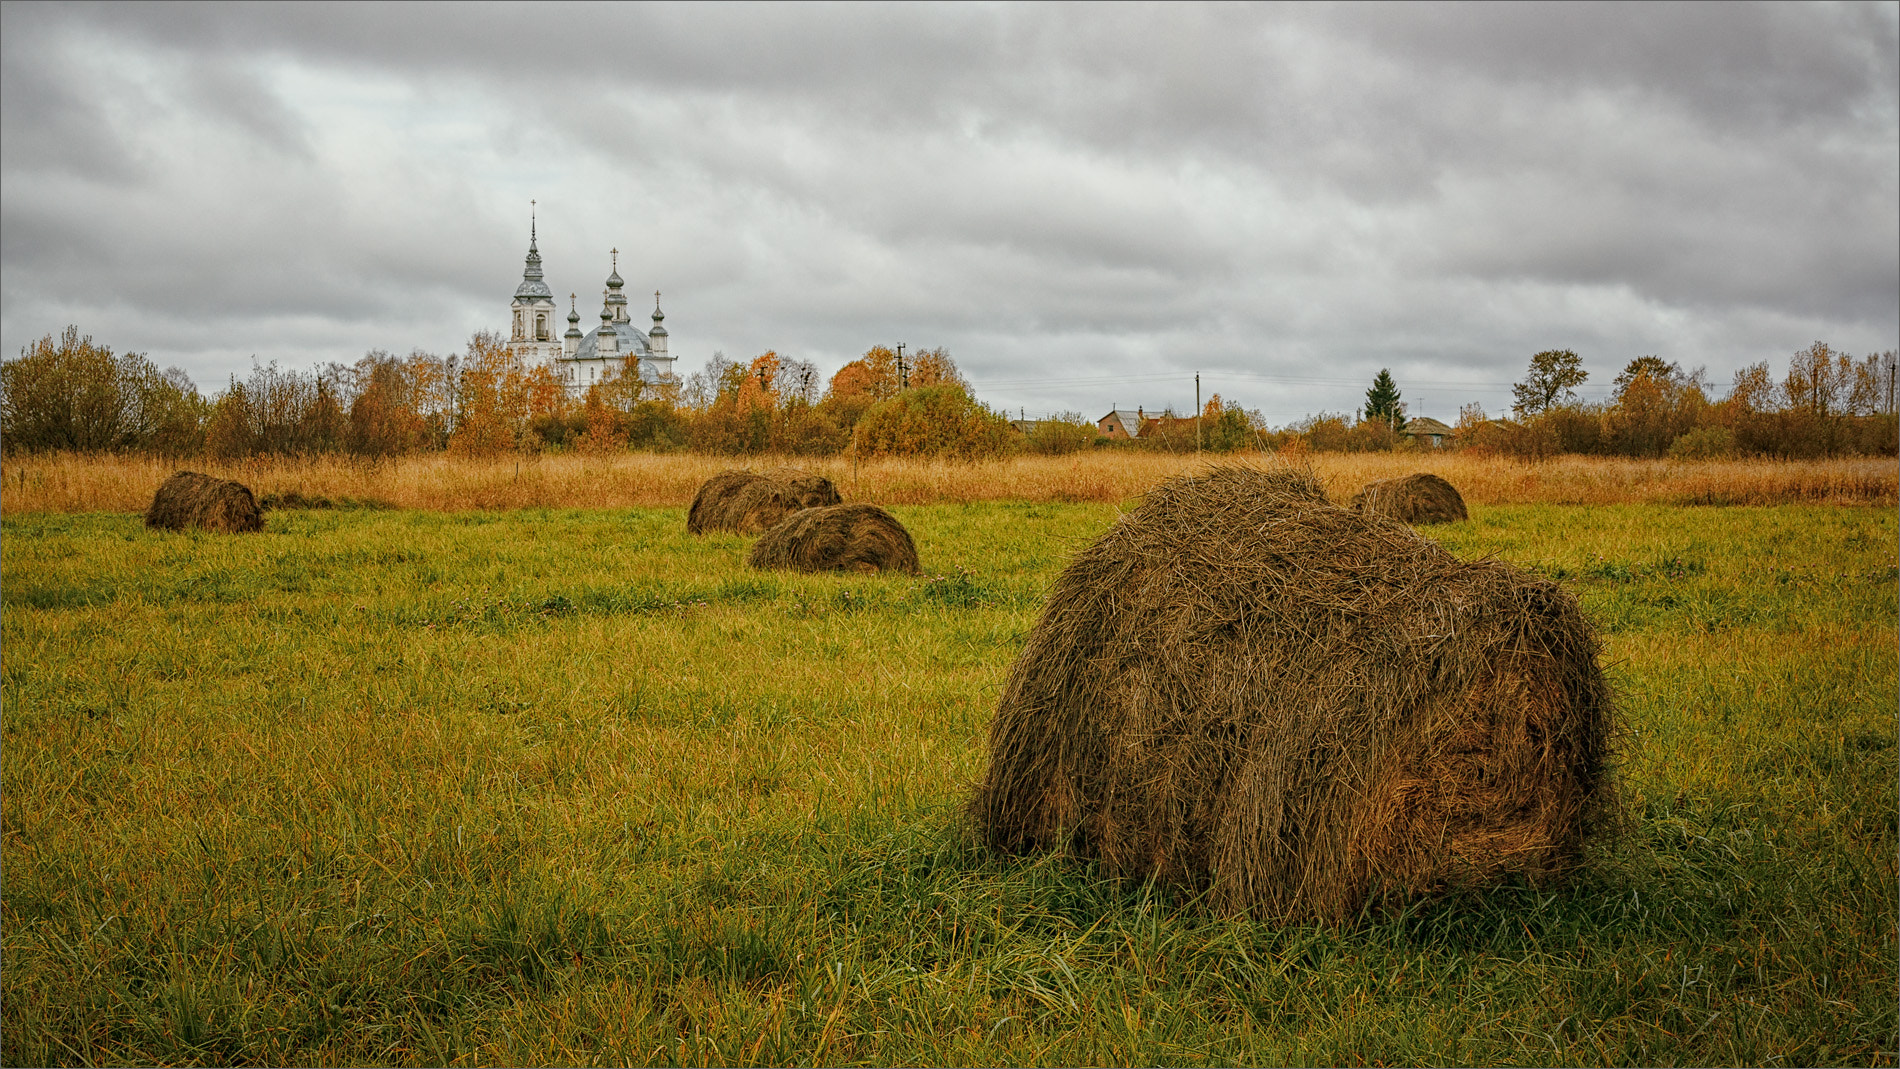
(934, 421)
(1704, 443)
(1061, 434)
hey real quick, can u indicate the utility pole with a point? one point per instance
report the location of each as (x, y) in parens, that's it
(452, 392)
(1197, 413)
(903, 369)
(1892, 360)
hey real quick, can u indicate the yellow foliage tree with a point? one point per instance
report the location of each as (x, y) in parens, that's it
(492, 395)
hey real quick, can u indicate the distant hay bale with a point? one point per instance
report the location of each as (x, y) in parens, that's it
(812, 491)
(708, 512)
(294, 499)
(189, 499)
(1293, 706)
(749, 503)
(1414, 499)
(837, 538)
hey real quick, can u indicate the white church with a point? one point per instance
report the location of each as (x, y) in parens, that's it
(580, 360)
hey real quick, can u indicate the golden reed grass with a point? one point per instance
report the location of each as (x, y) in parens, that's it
(66, 482)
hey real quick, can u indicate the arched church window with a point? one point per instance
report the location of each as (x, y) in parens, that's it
(541, 327)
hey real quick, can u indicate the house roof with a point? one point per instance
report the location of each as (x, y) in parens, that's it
(1129, 418)
(1425, 425)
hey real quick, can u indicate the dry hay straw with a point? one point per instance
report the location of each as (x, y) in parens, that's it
(1292, 706)
(1419, 498)
(188, 500)
(837, 538)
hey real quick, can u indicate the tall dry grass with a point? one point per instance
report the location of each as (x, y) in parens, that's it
(66, 482)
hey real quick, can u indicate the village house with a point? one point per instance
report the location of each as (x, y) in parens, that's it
(1427, 431)
(1121, 424)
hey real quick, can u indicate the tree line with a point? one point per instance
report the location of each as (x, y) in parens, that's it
(71, 393)
(1826, 404)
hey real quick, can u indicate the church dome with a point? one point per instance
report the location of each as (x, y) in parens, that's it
(628, 338)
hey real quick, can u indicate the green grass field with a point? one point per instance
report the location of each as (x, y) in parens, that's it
(573, 787)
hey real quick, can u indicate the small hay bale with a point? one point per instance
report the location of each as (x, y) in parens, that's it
(1414, 499)
(837, 538)
(188, 500)
(812, 491)
(1296, 708)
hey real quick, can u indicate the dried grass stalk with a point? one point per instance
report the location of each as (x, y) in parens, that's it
(1415, 499)
(837, 538)
(188, 500)
(1294, 706)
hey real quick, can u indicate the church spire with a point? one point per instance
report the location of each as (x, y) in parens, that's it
(533, 286)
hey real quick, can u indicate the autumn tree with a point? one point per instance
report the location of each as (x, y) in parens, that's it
(395, 399)
(1061, 433)
(1641, 417)
(939, 421)
(491, 399)
(1872, 392)
(603, 428)
(1553, 376)
(797, 382)
(228, 430)
(1225, 427)
(76, 394)
(933, 367)
(880, 365)
(1818, 380)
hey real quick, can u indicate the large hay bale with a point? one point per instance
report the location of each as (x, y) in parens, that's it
(1293, 706)
(189, 499)
(1415, 499)
(837, 538)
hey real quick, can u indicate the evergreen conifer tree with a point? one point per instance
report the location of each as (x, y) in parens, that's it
(1382, 402)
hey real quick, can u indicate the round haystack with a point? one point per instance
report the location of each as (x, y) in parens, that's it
(1293, 706)
(812, 491)
(837, 538)
(757, 507)
(713, 501)
(1414, 499)
(189, 499)
(749, 503)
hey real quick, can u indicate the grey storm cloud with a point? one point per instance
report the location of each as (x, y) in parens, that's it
(1086, 204)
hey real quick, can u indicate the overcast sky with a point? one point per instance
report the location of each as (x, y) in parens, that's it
(1085, 205)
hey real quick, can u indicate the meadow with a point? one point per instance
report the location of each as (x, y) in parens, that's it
(73, 482)
(437, 785)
